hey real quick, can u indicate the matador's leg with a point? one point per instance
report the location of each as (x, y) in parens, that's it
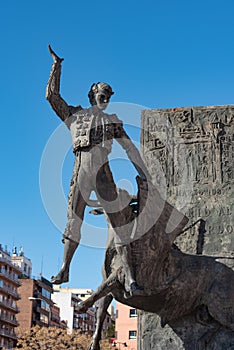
(76, 206)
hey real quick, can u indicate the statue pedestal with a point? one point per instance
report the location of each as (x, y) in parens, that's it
(185, 333)
(189, 153)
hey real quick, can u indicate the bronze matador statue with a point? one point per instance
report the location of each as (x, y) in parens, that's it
(92, 133)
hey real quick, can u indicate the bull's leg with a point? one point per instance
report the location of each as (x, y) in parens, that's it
(105, 288)
(131, 286)
(101, 315)
(120, 218)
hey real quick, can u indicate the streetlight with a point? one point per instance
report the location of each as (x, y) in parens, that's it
(33, 298)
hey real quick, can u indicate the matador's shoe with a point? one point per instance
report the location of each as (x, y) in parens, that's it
(61, 277)
(134, 291)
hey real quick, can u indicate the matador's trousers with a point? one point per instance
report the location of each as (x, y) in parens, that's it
(92, 173)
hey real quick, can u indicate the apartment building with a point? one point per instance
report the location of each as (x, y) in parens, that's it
(36, 306)
(55, 320)
(9, 296)
(125, 327)
(68, 298)
(87, 321)
(22, 262)
(81, 293)
(67, 302)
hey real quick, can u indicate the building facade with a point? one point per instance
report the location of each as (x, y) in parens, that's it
(67, 302)
(22, 262)
(36, 306)
(125, 327)
(67, 299)
(9, 296)
(81, 293)
(55, 320)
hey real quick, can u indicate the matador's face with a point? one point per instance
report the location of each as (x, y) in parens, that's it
(102, 98)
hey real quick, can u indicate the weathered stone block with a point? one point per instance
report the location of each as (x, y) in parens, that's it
(189, 153)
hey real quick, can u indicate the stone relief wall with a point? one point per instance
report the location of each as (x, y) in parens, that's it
(189, 153)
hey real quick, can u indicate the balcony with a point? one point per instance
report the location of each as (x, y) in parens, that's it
(9, 263)
(9, 305)
(55, 319)
(10, 291)
(10, 277)
(8, 334)
(40, 296)
(7, 319)
(40, 323)
(40, 310)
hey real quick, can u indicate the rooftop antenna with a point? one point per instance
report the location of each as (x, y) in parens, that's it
(21, 252)
(13, 243)
(14, 251)
(42, 265)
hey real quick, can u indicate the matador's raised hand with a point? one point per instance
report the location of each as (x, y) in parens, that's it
(55, 57)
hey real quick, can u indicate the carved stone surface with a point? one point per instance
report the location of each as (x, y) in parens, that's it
(189, 153)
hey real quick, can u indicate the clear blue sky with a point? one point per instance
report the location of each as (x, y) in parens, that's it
(158, 54)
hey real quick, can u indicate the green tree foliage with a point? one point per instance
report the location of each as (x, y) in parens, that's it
(110, 332)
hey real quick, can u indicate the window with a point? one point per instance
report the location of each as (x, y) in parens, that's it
(133, 313)
(44, 318)
(116, 313)
(45, 305)
(132, 334)
(45, 293)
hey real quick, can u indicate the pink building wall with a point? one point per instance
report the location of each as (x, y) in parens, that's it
(126, 327)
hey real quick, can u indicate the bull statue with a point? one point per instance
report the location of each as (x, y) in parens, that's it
(174, 284)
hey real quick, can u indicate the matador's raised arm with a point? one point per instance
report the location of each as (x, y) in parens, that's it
(58, 104)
